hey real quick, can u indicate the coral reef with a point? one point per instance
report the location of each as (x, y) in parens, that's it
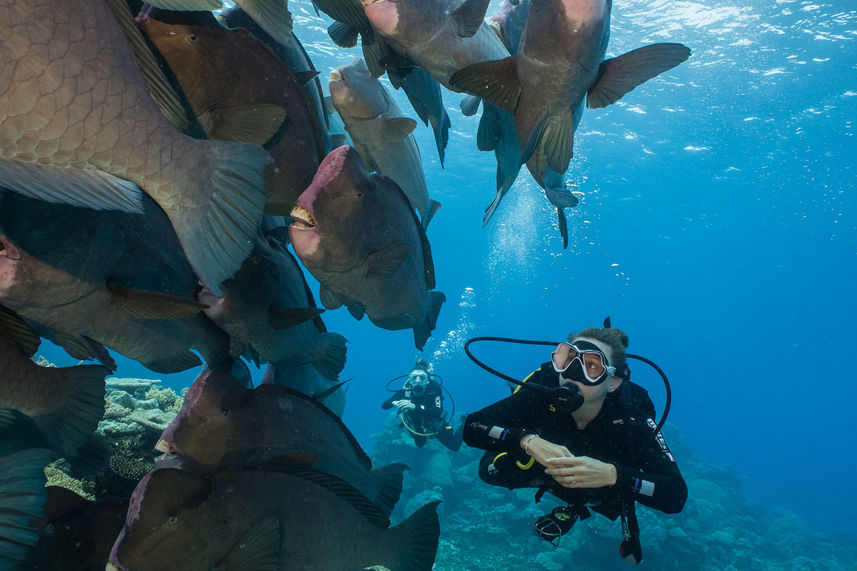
(485, 527)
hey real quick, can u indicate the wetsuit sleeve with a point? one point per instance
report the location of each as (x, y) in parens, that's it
(500, 426)
(398, 395)
(657, 483)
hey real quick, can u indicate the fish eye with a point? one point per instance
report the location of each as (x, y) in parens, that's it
(192, 37)
(49, 529)
(174, 519)
(225, 412)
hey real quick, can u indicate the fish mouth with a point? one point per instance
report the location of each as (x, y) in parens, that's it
(303, 220)
(165, 447)
(10, 252)
(370, 2)
(335, 75)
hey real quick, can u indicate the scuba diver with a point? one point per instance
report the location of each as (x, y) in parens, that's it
(420, 404)
(583, 432)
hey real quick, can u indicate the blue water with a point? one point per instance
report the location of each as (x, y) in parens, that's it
(716, 227)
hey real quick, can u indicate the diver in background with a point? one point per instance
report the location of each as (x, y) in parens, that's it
(420, 404)
(583, 439)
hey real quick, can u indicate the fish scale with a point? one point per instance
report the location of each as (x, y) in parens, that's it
(78, 125)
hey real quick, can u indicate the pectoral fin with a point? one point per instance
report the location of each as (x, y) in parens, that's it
(245, 123)
(398, 128)
(387, 260)
(259, 548)
(22, 333)
(469, 17)
(145, 304)
(621, 74)
(496, 81)
(272, 16)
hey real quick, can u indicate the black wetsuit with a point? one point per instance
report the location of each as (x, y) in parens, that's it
(426, 419)
(646, 470)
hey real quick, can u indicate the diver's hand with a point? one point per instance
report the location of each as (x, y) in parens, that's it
(581, 472)
(542, 450)
(404, 405)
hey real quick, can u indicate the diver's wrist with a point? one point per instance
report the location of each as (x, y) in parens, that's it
(525, 442)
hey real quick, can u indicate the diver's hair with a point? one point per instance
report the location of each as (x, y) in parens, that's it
(422, 365)
(614, 338)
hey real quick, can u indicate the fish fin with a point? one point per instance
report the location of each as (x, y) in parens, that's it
(7, 417)
(355, 308)
(342, 34)
(284, 317)
(492, 208)
(329, 391)
(469, 17)
(558, 140)
(620, 75)
(68, 426)
(22, 333)
(441, 135)
(329, 299)
(373, 53)
(535, 137)
(304, 77)
(144, 304)
(89, 458)
(495, 81)
(423, 331)
(329, 107)
(82, 347)
(338, 139)
(259, 548)
(557, 194)
(488, 134)
(22, 500)
(397, 128)
(470, 105)
(217, 231)
(160, 89)
(173, 363)
(255, 123)
(414, 541)
(341, 488)
(88, 188)
(505, 179)
(330, 357)
(390, 478)
(382, 263)
(563, 226)
(434, 206)
(272, 16)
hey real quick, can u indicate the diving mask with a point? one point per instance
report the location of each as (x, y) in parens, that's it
(417, 381)
(591, 366)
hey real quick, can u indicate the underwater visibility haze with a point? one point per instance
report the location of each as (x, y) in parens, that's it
(715, 226)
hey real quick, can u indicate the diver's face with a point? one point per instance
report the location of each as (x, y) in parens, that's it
(418, 381)
(594, 393)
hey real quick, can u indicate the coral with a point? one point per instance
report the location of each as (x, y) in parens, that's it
(167, 399)
(57, 475)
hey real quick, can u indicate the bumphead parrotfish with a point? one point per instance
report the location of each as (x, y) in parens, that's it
(259, 519)
(78, 125)
(358, 235)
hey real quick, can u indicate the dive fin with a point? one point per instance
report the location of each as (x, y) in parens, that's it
(385, 261)
(284, 317)
(495, 81)
(469, 17)
(145, 304)
(622, 74)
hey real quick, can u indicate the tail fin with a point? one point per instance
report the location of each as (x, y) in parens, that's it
(22, 499)
(218, 232)
(331, 352)
(423, 331)
(76, 419)
(416, 540)
(390, 478)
